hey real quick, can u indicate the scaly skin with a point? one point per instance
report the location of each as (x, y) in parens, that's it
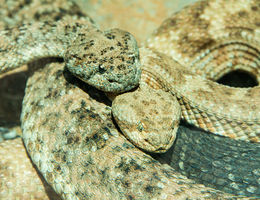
(107, 60)
(101, 141)
(204, 44)
(82, 155)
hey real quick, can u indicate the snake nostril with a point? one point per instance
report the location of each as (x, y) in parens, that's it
(238, 78)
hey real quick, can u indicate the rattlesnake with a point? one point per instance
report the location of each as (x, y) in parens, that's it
(216, 46)
(26, 128)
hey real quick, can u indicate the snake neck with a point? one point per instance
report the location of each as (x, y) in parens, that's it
(34, 41)
(205, 103)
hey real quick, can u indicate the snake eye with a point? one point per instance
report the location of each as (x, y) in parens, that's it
(108, 61)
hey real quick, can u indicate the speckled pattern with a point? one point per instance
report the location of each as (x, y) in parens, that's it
(103, 141)
(210, 44)
(18, 177)
(108, 60)
(80, 152)
(149, 118)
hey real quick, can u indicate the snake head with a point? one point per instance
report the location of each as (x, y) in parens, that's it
(106, 60)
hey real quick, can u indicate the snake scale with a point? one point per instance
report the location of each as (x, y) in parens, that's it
(217, 45)
(96, 142)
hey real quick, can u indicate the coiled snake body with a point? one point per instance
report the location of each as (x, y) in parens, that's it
(54, 154)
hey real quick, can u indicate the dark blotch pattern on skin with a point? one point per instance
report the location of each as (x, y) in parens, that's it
(95, 153)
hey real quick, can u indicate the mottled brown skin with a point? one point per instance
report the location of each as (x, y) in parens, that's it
(132, 164)
(149, 118)
(212, 43)
(19, 178)
(107, 60)
(202, 41)
(84, 155)
(199, 27)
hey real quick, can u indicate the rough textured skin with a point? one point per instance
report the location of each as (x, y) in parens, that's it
(148, 117)
(211, 46)
(97, 146)
(80, 152)
(137, 17)
(200, 34)
(107, 60)
(191, 155)
(25, 179)
(15, 13)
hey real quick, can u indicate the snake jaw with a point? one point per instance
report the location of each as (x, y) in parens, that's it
(107, 60)
(149, 118)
